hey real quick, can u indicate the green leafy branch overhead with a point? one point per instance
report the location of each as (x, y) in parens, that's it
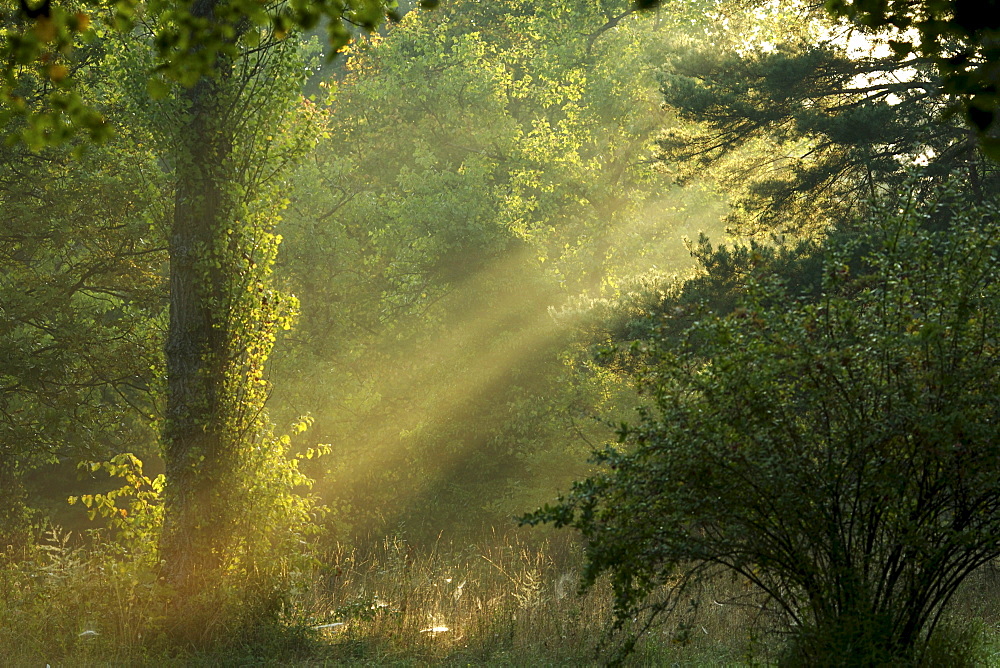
(961, 37)
(44, 46)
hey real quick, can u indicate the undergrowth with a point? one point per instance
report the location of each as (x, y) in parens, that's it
(508, 600)
(503, 601)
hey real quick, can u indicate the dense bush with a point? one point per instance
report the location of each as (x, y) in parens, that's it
(838, 452)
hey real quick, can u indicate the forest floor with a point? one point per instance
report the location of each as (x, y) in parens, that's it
(500, 602)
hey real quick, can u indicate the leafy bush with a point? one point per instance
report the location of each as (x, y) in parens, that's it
(840, 452)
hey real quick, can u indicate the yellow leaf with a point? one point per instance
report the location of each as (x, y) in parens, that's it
(45, 29)
(58, 72)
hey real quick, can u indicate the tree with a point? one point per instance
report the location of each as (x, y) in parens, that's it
(216, 80)
(229, 137)
(218, 112)
(447, 220)
(837, 453)
(958, 37)
(801, 132)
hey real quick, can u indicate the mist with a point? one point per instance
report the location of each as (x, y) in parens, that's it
(469, 202)
(499, 333)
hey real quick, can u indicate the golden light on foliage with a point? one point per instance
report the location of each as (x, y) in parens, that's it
(442, 377)
(58, 72)
(46, 29)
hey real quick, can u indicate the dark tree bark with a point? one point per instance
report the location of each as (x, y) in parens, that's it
(199, 440)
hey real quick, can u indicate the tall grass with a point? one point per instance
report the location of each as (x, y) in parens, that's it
(502, 602)
(63, 603)
(508, 599)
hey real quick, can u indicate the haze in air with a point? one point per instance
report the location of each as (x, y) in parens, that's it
(518, 333)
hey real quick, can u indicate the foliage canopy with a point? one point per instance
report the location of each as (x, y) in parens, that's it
(960, 37)
(811, 126)
(46, 49)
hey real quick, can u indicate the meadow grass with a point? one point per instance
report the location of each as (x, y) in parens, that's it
(508, 599)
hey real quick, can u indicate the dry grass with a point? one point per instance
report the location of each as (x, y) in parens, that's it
(504, 601)
(496, 602)
(507, 600)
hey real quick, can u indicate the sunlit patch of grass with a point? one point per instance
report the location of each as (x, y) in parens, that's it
(503, 602)
(67, 604)
(507, 600)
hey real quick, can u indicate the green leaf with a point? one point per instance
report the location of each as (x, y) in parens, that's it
(157, 88)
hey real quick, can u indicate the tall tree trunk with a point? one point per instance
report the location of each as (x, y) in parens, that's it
(223, 316)
(200, 443)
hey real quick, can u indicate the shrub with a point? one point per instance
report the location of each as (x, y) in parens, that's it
(840, 452)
